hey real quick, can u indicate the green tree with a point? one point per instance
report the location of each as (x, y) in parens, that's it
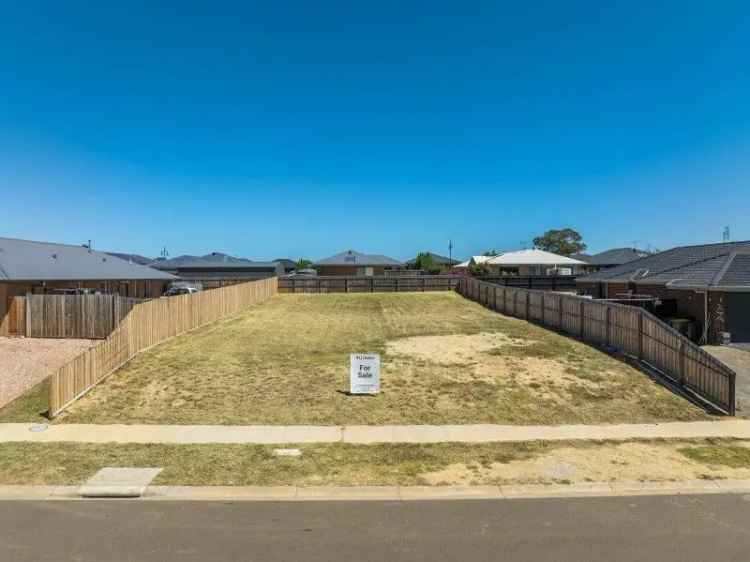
(564, 242)
(491, 253)
(302, 263)
(425, 262)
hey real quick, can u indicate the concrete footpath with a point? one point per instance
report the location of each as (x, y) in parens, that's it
(259, 434)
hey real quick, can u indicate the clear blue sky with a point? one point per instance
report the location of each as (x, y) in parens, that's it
(304, 128)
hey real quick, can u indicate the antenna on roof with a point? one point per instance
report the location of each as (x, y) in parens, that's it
(89, 245)
(164, 252)
(725, 234)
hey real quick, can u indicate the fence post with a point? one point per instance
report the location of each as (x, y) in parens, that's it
(560, 312)
(541, 304)
(515, 303)
(346, 284)
(607, 325)
(682, 363)
(372, 284)
(640, 334)
(528, 304)
(583, 324)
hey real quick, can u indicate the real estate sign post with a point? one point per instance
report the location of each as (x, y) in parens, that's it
(364, 373)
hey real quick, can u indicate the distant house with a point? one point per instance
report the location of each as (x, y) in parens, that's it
(533, 262)
(43, 267)
(356, 263)
(709, 284)
(443, 263)
(287, 264)
(217, 269)
(472, 261)
(132, 258)
(610, 258)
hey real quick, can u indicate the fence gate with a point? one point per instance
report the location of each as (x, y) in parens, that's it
(75, 316)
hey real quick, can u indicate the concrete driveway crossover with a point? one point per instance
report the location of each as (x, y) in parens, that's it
(737, 358)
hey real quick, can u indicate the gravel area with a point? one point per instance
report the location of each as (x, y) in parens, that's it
(24, 362)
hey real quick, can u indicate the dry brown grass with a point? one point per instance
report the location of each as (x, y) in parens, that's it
(445, 360)
(393, 464)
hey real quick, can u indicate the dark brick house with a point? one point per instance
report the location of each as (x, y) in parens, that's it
(709, 284)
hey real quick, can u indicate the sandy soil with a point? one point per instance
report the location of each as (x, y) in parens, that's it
(627, 461)
(24, 362)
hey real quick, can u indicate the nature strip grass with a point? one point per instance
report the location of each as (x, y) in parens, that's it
(372, 465)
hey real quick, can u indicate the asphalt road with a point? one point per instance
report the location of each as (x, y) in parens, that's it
(662, 528)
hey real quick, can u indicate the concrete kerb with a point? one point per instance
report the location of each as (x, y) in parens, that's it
(394, 493)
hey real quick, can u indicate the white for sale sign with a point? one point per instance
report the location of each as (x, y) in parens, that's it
(364, 373)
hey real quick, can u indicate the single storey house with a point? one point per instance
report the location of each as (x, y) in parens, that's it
(709, 284)
(532, 262)
(356, 263)
(43, 267)
(217, 269)
(610, 258)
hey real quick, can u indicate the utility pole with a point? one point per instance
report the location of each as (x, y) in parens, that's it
(450, 252)
(725, 234)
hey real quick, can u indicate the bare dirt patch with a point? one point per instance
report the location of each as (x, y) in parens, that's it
(24, 362)
(451, 349)
(632, 461)
(496, 358)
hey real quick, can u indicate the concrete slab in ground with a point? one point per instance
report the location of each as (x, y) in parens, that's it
(118, 482)
(737, 358)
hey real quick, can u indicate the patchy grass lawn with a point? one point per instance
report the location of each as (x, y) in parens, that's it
(445, 360)
(391, 464)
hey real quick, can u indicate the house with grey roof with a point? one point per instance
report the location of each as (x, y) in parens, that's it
(352, 262)
(708, 284)
(43, 267)
(217, 269)
(610, 258)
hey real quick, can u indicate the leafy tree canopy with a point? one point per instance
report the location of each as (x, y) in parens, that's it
(425, 262)
(302, 263)
(564, 242)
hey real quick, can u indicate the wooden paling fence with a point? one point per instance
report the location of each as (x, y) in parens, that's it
(540, 282)
(380, 284)
(631, 330)
(147, 324)
(75, 316)
(14, 321)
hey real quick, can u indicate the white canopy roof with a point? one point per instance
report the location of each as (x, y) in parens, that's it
(532, 257)
(475, 260)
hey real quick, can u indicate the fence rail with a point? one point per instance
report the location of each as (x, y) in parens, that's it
(631, 330)
(146, 325)
(334, 284)
(541, 282)
(75, 316)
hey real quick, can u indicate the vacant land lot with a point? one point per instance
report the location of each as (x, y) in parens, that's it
(445, 360)
(369, 465)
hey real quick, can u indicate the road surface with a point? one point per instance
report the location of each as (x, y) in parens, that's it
(662, 528)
